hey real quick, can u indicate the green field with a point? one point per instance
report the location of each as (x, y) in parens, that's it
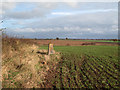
(98, 41)
(87, 67)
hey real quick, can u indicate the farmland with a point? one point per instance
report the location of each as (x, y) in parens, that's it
(25, 64)
(85, 66)
(76, 42)
(63, 44)
(97, 41)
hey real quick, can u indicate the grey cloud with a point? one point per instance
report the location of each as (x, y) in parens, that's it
(35, 13)
(92, 20)
(64, 34)
(93, 25)
(90, 25)
(40, 11)
(25, 15)
(99, 5)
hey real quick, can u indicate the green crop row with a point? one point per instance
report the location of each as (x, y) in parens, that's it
(87, 67)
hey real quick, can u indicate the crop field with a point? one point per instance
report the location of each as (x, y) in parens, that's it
(77, 42)
(98, 41)
(85, 67)
(26, 64)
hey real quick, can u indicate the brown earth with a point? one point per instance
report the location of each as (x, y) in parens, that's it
(71, 42)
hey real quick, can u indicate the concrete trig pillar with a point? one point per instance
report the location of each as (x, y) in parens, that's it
(50, 49)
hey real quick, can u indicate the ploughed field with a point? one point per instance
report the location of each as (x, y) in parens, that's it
(85, 66)
(76, 42)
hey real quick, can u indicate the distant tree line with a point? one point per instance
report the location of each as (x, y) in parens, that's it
(57, 38)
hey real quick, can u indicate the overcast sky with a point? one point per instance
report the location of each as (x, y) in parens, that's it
(50, 20)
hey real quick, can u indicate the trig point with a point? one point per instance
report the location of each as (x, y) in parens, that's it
(50, 49)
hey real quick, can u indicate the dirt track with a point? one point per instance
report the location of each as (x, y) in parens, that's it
(71, 42)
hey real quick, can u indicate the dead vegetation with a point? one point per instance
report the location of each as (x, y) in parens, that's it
(24, 65)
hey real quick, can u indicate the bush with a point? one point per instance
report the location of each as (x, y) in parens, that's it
(115, 40)
(66, 38)
(57, 38)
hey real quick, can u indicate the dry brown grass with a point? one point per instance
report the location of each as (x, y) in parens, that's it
(22, 66)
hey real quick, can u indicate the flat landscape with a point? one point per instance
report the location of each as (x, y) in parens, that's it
(87, 67)
(64, 44)
(26, 64)
(76, 42)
